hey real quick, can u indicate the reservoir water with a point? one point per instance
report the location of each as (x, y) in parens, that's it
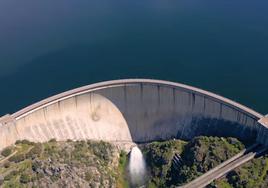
(47, 47)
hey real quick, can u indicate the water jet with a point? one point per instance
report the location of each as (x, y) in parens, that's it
(137, 168)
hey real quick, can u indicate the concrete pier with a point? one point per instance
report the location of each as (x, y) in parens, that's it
(138, 110)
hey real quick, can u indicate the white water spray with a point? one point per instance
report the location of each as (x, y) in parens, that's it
(137, 167)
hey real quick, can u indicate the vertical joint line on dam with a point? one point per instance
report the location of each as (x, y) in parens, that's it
(174, 99)
(75, 100)
(141, 92)
(204, 107)
(193, 101)
(238, 117)
(158, 94)
(125, 97)
(220, 110)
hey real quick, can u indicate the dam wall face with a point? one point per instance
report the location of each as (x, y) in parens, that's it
(160, 112)
(135, 110)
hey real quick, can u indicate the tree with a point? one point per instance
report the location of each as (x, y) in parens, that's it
(6, 152)
(25, 178)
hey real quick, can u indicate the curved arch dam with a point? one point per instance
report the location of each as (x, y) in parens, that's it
(133, 110)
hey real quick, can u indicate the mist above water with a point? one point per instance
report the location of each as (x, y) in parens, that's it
(137, 168)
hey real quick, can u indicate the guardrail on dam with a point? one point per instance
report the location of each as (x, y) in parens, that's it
(138, 110)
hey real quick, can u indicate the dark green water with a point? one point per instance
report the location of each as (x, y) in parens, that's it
(47, 47)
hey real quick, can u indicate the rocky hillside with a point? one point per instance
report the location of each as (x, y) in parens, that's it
(59, 164)
(100, 164)
(173, 163)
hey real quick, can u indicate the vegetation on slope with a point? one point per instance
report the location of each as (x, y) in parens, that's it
(100, 164)
(158, 156)
(205, 153)
(253, 174)
(122, 181)
(61, 164)
(196, 157)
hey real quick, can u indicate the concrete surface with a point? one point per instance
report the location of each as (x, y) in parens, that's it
(132, 110)
(264, 121)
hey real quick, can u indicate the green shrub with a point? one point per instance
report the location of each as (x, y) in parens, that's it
(51, 150)
(17, 158)
(102, 150)
(18, 142)
(35, 151)
(6, 152)
(35, 165)
(54, 178)
(11, 175)
(7, 165)
(121, 177)
(88, 176)
(27, 142)
(8, 177)
(123, 158)
(52, 140)
(25, 178)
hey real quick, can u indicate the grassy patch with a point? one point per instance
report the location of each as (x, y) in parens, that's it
(122, 179)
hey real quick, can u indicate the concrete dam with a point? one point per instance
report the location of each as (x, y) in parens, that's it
(133, 110)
